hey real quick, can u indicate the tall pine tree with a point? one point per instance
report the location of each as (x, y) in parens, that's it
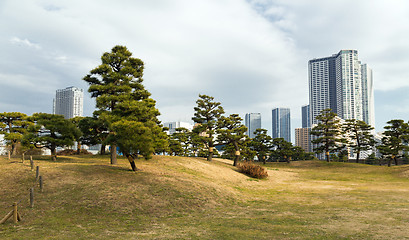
(232, 131)
(207, 113)
(359, 135)
(327, 132)
(117, 79)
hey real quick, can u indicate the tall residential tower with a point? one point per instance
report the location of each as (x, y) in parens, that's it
(367, 95)
(342, 83)
(69, 102)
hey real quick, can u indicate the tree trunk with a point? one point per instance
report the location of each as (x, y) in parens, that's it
(389, 162)
(264, 160)
(210, 156)
(357, 157)
(396, 161)
(53, 154)
(13, 149)
(259, 157)
(113, 154)
(102, 150)
(237, 155)
(288, 159)
(78, 148)
(236, 160)
(327, 156)
(131, 160)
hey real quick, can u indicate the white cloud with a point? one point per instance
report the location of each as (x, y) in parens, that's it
(24, 42)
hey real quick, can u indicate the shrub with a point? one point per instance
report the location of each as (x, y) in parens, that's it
(252, 170)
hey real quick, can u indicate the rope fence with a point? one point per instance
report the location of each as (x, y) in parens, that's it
(37, 182)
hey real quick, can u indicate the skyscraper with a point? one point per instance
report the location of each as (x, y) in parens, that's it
(368, 95)
(69, 102)
(305, 116)
(342, 83)
(281, 121)
(252, 122)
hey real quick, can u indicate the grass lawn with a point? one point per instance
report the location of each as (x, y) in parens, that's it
(189, 198)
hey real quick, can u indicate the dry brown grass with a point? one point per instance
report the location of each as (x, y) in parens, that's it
(252, 170)
(189, 198)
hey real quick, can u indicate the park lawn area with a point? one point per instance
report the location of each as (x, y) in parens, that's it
(189, 198)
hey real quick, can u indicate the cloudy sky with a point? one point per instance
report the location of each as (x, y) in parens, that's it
(251, 55)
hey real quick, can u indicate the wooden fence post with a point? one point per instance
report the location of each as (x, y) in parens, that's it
(22, 159)
(37, 172)
(31, 163)
(15, 212)
(31, 197)
(9, 154)
(41, 183)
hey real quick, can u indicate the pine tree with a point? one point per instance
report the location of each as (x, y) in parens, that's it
(328, 133)
(78, 135)
(394, 142)
(230, 130)
(137, 131)
(207, 113)
(359, 135)
(117, 79)
(13, 125)
(282, 149)
(50, 131)
(261, 144)
(179, 142)
(125, 106)
(93, 132)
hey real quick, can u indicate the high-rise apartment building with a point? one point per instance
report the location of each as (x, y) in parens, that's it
(252, 121)
(305, 116)
(342, 83)
(69, 102)
(303, 138)
(368, 95)
(281, 121)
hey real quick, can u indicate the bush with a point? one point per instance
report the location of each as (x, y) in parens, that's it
(252, 170)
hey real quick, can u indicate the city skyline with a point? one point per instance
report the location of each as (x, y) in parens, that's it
(249, 64)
